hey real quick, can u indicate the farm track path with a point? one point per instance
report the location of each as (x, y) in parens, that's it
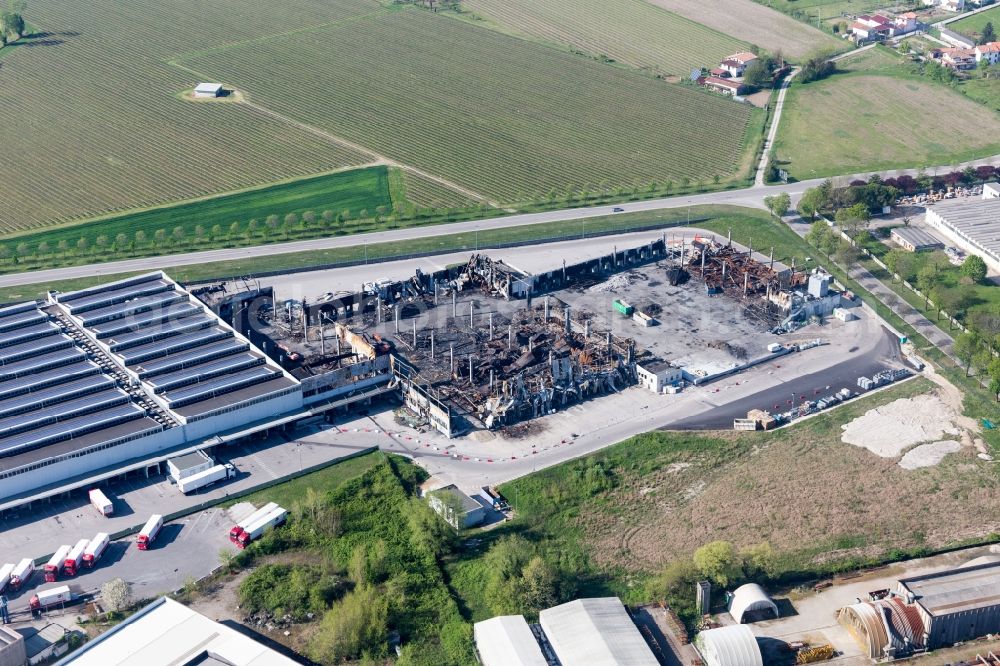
(378, 158)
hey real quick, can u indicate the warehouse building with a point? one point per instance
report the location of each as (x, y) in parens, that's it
(99, 380)
(928, 612)
(734, 645)
(595, 632)
(507, 641)
(12, 650)
(167, 632)
(972, 224)
(915, 240)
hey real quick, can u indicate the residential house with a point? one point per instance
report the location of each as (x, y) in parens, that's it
(719, 72)
(872, 28)
(725, 86)
(988, 54)
(904, 23)
(958, 59)
(737, 63)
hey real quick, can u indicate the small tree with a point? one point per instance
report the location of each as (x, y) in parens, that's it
(140, 238)
(974, 268)
(117, 595)
(778, 204)
(82, 244)
(23, 249)
(989, 34)
(719, 562)
(121, 242)
(328, 217)
(965, 348)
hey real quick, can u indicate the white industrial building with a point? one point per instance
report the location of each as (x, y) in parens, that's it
(595, 632)
(972, 224)
(457, 508)
(121, 376)
(507, 641)
(208, 90)
(657, 375)
(167, 633)
(750, 603)
(734, 645)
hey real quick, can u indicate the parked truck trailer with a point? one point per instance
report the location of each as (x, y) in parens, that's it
(75, 558)
(22, 573)
(253, 532)
(241, 526)
(206, 478)
(147, 535)
(5, 572)
(56, 563)
(101, 502)
(53, 596)
(95, 549)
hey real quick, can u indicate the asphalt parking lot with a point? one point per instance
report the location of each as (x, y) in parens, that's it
(40, 531)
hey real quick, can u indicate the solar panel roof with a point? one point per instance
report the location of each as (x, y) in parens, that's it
(62, 410)
(70, 428)
(196, 373)
(139, 321)
(181, 342)
(119, 295)
(158, 331)
(43, 362)
(17, 335)
(125, 309)
(38, 380)
(64, 391)
(189, 358)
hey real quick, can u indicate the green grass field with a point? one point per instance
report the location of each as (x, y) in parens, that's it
(973, 25)
(94, 120)
(634, 32)
(874, 117)
(356, 190)
(504, 117)
(984, 91)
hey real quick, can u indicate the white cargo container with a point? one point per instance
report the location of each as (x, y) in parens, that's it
(56, 563)
(22, 573)
(101, 502)
(51, 597)
(147, 535)
(75, 557)
(241, 526)
(5, 572)
(95, 549)
(206, 478)
(253, 532)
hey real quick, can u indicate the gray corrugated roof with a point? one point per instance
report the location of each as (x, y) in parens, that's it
(916, 237)
(956, 590)
(595, 632)
(976, 220)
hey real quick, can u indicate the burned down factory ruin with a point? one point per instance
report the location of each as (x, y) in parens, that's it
(483, 345)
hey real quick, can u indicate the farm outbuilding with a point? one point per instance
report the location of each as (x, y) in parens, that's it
(915, 240)
(595, 632)
(507, 641)
(884, 627)
(751, 603)
(956, 604)
(208, 90)
(734, 645)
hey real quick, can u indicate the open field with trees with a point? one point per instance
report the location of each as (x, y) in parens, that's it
(504, 117)
(94, 120)
(757, 24)
(635, 32)
(797, 503)
(972, 26)
(865, 119)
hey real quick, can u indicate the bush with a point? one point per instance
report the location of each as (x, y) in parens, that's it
(289, 589)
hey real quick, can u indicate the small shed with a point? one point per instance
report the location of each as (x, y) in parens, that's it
(208, 90)
(657, 374)
(734, 645)
(915, 240)
(457, 508)
(750, 602)
(189, 464)
(12, 651)
(45, 643)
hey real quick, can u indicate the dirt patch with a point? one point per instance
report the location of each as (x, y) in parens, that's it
(928, 455)
(889, 430)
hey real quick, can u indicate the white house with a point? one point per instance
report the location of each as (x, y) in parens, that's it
(657, 375)
(208, 90)
(872, 28)
(988, 53)
(737, 63)
(904, 23)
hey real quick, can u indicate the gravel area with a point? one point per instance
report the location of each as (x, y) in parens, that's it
(890, 430)
(928, 455)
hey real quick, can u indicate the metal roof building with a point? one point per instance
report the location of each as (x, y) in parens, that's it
(751, 602)
(116, 373)
(167, 633)
(956, 604)
(972, 224)
(595, 632)
(734, 645)
(507, 641)
(915, 240)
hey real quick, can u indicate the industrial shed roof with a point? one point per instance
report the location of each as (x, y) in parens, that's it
(595, 632)
(956, 590)
(507, 641)
(166, 632)
(734, 645)
(748, 599)
(918, 238)
(976, 220)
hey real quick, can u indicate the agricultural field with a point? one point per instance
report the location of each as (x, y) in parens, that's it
(757, 24)
(634, 32)
(865, 120)
(503, 117)
(973, 25)
(984, 91)
(95, 121)
(354, 191)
